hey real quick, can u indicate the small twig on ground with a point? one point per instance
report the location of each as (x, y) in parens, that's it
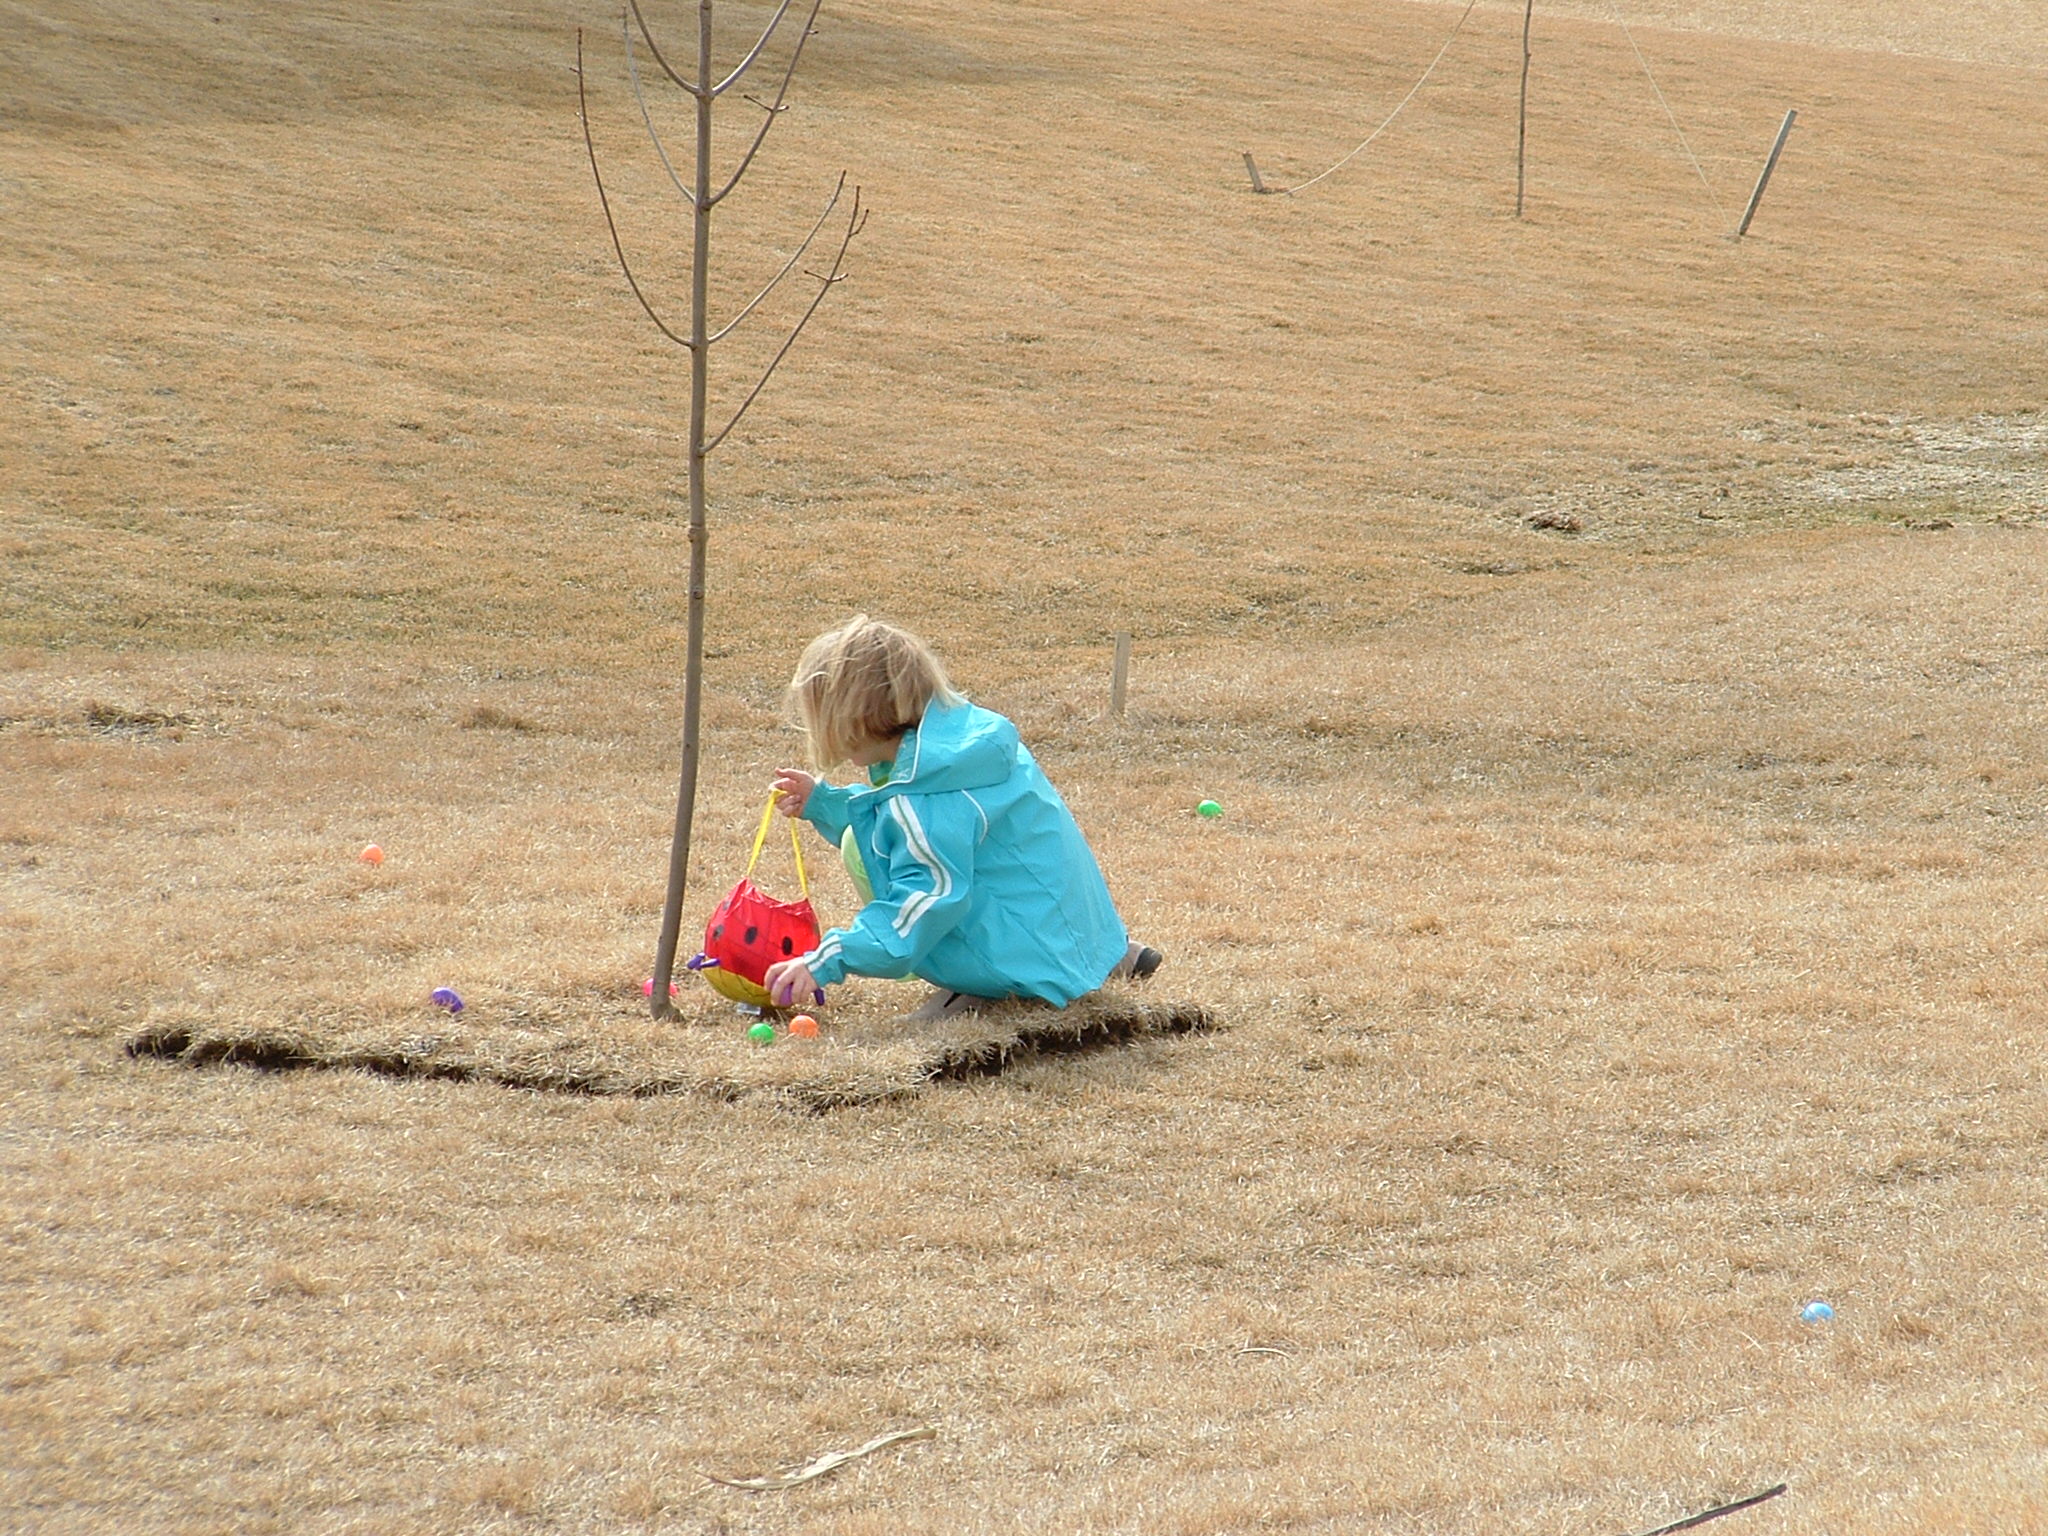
(818, 1466)
(1716, 1512)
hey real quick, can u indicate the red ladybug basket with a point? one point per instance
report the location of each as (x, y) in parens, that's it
(750, 930)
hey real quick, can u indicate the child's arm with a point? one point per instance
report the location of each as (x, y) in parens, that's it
(926, 844)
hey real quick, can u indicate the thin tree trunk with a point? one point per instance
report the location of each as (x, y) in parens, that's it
(693, 663)
(698, 342)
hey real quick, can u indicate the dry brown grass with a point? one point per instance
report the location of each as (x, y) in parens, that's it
(1623, 935)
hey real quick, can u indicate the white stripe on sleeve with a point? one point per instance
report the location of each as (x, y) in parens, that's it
(921, 850)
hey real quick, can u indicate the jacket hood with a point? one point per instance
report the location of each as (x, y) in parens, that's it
(956, 746)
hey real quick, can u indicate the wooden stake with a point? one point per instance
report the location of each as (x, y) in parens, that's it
(1784, 132)
(1120, 673)
(1251, 165)
(1522, 131)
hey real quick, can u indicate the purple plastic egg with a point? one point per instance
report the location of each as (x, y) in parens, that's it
(446, 997)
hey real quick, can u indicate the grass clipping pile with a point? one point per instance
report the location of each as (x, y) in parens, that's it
(861, 1056)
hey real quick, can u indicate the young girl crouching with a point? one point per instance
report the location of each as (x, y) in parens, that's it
(982, 884)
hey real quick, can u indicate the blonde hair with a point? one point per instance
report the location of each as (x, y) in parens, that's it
(863, 683)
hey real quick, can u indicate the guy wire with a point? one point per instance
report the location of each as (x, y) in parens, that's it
(1304, 186)
(1657, 91)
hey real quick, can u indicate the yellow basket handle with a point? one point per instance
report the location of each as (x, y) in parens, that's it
(795, 844)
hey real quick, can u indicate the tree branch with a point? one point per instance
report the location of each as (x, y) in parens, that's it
(656, 51)
(856, 220)
(633, 73)
(769, 121)
(583, 112)
(733, 324)
(753, 53)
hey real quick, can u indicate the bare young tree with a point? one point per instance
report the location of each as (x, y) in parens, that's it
(702, 195)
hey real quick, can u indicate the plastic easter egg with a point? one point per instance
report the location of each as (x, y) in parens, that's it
(1209, 810)
(762, 1033)
(372, 855)
(446, 997)
(1816, 1312)
(804, 1027)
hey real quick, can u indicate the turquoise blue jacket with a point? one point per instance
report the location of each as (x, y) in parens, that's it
(983, 883)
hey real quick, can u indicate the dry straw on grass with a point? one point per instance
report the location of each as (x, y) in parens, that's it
(1626, 906)
(616, 1052)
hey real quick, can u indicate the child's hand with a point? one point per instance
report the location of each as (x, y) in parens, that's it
(787, 980)
(793, 790)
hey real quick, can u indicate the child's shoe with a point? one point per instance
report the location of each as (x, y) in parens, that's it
(1139, 961)
(943, 1004)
